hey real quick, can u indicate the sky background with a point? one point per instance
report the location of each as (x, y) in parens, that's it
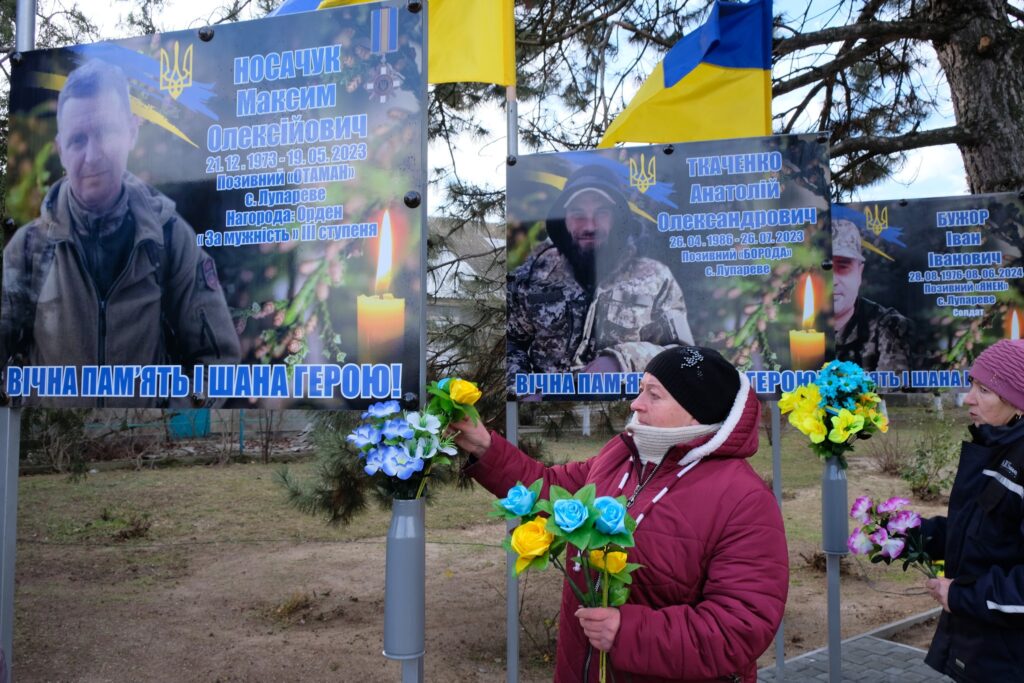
(930, 172)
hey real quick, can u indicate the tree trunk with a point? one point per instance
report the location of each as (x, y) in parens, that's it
(983, 60)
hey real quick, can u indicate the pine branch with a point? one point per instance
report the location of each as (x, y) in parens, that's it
(875, 31)
(819, 73)
(876, 144)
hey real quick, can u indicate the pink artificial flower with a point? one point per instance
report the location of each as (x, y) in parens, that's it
(894, 504)
(892, 548)
(880, 537)
(859, 543)
(902, 521)
(861, 509)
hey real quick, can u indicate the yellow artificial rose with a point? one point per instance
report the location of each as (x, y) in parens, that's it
(845, 425)
(464, 392)
(530, 540)
(616, 560)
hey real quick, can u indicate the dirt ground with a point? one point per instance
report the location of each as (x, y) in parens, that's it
(311, 610)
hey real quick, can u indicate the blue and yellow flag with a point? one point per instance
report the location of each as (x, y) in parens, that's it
(715, 83)
(468, 40)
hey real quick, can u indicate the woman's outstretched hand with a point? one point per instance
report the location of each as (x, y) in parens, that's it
(471, 437)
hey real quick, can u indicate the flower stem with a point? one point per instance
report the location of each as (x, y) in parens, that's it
(572, 584)
(423, 481)
(591, 593)
(604, 603)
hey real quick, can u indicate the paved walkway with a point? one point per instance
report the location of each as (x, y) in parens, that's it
(865, 658)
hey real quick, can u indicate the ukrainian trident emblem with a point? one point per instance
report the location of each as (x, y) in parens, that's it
(177, 75)
(642, 174)
(878, 220)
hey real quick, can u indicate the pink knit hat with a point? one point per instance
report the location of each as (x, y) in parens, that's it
(1000, 367)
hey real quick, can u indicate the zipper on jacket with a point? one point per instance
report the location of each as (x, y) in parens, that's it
(102, 348)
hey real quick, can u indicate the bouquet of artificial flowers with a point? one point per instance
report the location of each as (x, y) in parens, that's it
(405, 445)
(838, 409)
(599, 528)
(890, 532)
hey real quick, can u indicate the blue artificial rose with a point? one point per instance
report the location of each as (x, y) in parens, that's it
(570, 514)
(519, 501)
(613, 516)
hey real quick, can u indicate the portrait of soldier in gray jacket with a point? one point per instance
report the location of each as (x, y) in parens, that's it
(109, 273)
(585, 300)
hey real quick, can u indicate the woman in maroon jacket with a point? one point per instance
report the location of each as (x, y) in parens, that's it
(715, 574)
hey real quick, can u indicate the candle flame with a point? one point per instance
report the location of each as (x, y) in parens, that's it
(808, 303)
(383, 283)
(1015, 325)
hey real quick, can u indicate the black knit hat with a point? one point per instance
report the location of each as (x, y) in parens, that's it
(699, 379)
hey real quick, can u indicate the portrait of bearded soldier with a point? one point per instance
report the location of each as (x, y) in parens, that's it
(585, 300)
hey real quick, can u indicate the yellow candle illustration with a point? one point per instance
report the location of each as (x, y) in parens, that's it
(807, 346)
(380, 317)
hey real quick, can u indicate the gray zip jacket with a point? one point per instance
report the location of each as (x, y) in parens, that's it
(165, 307)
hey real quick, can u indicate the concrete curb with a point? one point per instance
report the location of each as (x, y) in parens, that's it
(888, 630)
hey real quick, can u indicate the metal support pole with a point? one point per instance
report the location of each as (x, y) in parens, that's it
(10, 430)
(10, 440)
(511, 581)
(835, 528)
(512, 434)
(780, 639)
(25, 25)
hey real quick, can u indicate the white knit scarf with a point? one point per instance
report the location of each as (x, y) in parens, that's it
(652, 443)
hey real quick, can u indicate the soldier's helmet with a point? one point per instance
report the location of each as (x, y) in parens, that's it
(846, 237)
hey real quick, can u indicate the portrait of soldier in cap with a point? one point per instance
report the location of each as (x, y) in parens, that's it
(584, 300)
(874, 336)
(109, 273)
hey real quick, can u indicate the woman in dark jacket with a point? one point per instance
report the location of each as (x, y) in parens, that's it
(980, 636)
(713, 585)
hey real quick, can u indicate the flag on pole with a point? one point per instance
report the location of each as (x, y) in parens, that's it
(715, 83)
(468, 40)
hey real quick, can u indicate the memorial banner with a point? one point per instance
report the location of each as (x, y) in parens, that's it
(615, 254)
(230, 216)
(923, 286)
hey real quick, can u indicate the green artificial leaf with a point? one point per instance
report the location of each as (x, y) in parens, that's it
(557, 493)
(580, 537)
(442, 460)
(587, 495)
(539, 563)
(552, 528)
(617, 595)
(543, 506)
(473, 414)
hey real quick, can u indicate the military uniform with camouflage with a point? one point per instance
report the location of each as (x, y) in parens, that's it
(874, 336)
(584, 300)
